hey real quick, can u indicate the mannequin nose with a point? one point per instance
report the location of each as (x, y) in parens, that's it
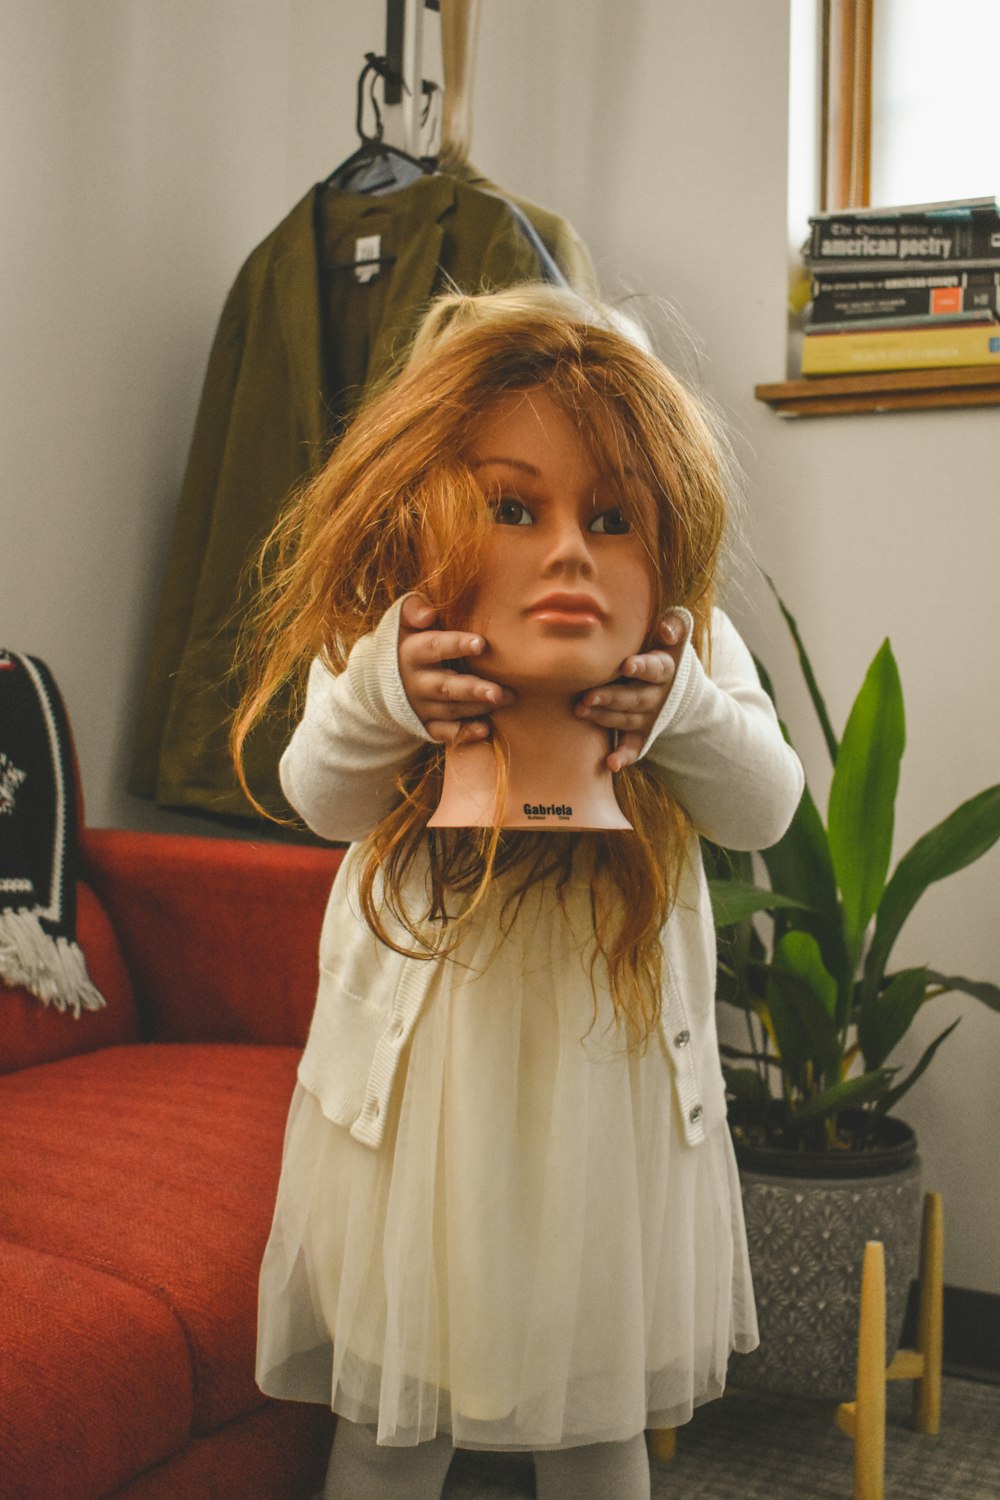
(568, 551)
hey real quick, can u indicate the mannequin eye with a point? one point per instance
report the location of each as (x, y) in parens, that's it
(508, 512)
(610, 523)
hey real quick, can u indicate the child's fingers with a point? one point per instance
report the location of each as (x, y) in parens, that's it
(626, 752)
(428, 648)
(650, 666)
(420, 645)
(621, 723)
(616, 706)
(457, 731)
(671, 630)
(429, 659)
(659, 665)
(417, 613)
(456, 695)
(445, 702)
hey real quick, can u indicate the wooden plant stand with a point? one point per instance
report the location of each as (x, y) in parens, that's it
(863, 1419)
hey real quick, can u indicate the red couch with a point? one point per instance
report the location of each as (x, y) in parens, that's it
(139, 1154)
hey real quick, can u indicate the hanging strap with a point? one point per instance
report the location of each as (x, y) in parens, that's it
(459, 35)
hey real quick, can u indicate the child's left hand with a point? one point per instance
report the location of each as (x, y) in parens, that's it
(631, 708)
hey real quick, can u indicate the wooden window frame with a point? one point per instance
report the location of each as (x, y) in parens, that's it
(846, 117)
(845, 182)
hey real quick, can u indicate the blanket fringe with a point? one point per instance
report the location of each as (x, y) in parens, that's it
(52, 969)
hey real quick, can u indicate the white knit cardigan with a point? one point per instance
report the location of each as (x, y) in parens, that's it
(717, 740)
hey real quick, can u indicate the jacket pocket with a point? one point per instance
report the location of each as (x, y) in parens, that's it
(339, 1052)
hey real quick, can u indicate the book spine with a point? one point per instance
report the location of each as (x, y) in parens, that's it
(954, 207)
(927, 240)
(900, 349)
(851, 305)
(867, 280)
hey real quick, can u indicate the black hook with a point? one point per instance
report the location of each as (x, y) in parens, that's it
(376, 67)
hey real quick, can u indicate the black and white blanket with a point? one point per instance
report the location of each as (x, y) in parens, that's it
(38, 840)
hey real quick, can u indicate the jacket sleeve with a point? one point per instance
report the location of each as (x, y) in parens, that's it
(720, 747)
(357, 732)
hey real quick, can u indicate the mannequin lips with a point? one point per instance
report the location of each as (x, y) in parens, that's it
(567, 609)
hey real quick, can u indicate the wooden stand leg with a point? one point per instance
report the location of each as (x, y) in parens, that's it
(930, 1325)
(864, 1418)
(663, 1443)
(869, 1443)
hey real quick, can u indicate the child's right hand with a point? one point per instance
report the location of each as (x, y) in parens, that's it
(449, 704)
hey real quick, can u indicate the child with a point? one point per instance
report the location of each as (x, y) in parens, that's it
(508, 1214)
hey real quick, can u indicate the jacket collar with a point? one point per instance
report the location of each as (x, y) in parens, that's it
(419, 210)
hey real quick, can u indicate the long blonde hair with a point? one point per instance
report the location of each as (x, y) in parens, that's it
(396, 492)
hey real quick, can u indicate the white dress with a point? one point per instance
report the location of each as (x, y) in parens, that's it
(501, 1222)
(534, 1257)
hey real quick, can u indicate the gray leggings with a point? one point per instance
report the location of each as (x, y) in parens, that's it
(361, 1470)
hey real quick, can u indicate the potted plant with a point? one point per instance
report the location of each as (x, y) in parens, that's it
(824, 1161)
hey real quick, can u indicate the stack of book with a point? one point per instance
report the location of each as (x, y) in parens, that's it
(914, 287)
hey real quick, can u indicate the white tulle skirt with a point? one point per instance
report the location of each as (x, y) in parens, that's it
(534, 1258)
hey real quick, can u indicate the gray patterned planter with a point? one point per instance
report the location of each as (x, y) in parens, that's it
(807, 1236)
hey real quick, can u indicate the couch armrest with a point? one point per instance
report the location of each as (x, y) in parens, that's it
(220, 936)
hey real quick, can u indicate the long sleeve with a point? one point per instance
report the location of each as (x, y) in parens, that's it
(355, 735)
(718, 742)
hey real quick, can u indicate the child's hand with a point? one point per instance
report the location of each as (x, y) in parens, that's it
(631, 709)
(447, 703)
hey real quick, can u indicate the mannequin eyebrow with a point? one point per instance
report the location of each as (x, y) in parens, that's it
(512, 463)
(526, 468)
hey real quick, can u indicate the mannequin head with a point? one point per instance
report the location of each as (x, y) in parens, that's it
(405, 503)
(625, 462)
(564, 590)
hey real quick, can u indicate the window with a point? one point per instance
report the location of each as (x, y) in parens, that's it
(933, 83)
(908, 101)
(890, 102)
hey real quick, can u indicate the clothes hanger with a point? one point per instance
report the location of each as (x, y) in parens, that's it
(376, 167)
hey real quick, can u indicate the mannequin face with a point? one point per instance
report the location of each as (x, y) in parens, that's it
(565, 593)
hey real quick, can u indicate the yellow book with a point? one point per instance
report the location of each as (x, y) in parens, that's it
(901, 349)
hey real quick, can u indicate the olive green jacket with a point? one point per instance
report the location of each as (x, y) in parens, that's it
(264, 422)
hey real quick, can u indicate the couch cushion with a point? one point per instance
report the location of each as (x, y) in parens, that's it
(31, 1032)
(157, 1164)
(278, 1452)
(221, 936)
(95, 1379)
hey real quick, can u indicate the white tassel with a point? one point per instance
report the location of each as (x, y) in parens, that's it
(53, 969)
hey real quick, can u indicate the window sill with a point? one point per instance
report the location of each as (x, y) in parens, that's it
(893, 390)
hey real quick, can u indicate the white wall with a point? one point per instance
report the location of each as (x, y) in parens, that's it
(149, 144)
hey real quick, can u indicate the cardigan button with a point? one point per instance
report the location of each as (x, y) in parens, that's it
(682, 1038)
(694, 1115)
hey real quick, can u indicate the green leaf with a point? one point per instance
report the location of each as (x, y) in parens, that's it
(962, 838)
(746, 1086)
(800, 862)
(799, 953)
(989, 994)
(740, 949)
(728, 989)
(808, 674)
(733, 901)
(885, 1018)
(726, 864)
(801, 995)
(894, 1095)
(848, 1094)
(863, 795)
(768, 686)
